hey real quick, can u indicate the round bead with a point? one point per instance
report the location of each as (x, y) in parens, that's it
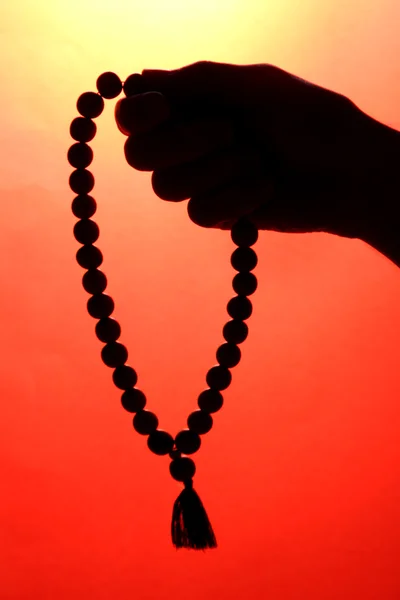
(244, 233)
(210, 401)
(187, 441)
(200, 422)
(86, 231)
(244, 259)
(114, 354)
(182, 469)
(84, 206)
(90, 105)
(218, 378)
(80, 155)
(239, 308)
(81, 181)
(228, 355)
(175, 454)
(245, 283)
(108, 330)
(160, 442)
(134, 85)
(133, 400)
(89, 257)
(100, 306)
(125, 377)
(82, 130)
(94, 281)
(145, 422)
(109, 85)
(235, 331)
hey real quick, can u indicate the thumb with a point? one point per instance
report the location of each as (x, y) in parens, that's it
(225, 84)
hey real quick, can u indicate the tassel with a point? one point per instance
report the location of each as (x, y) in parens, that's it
(191, 527)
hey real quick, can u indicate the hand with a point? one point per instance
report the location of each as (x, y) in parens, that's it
(255, 141)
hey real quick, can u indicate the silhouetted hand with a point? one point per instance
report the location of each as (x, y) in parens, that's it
(255, 140)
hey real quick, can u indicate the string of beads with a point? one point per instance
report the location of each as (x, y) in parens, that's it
(101, 306)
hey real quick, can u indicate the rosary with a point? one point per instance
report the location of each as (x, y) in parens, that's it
(190, 526)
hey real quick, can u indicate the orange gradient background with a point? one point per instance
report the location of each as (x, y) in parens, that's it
(300, 472)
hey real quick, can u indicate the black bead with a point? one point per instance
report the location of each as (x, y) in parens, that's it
(134, 85)
(80, 155)
(125, 377)
(86, 231)
(133, 400)
(145, 422)
(200, 421)
(187, 441)
(160, 442)
(109, 85)
(182, 469)
(244, 283)
(244, 259)
(82, 130)
(228, 355)
(89, 257)
(244, 233)
(218, 378)
(114, 354)
(239, 308)
(235, 331)
(175, 454)
(90, 105)
(94, 281)
(210, 401)
(81, 181)
(108, 330)
(100, 306)
(84, 206)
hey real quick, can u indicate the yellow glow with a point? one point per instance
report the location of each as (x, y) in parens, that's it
(60, 48)
(166, 33)
(52, 51)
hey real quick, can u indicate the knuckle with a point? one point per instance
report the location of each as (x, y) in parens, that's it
(173, 184)
(202, 65)
(121, 118)
(161, 184)
(196, 212)
(134, 155)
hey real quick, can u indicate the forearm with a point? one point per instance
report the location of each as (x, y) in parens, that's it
(383, 225)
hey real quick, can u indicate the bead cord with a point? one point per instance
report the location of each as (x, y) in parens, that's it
(190, 526)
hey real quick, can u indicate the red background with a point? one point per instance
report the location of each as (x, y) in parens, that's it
(299, 474)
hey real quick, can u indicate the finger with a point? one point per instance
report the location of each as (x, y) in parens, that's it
(177, 143)
(226, 84)
(141, 113)
(230, 202)
(183, 181)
